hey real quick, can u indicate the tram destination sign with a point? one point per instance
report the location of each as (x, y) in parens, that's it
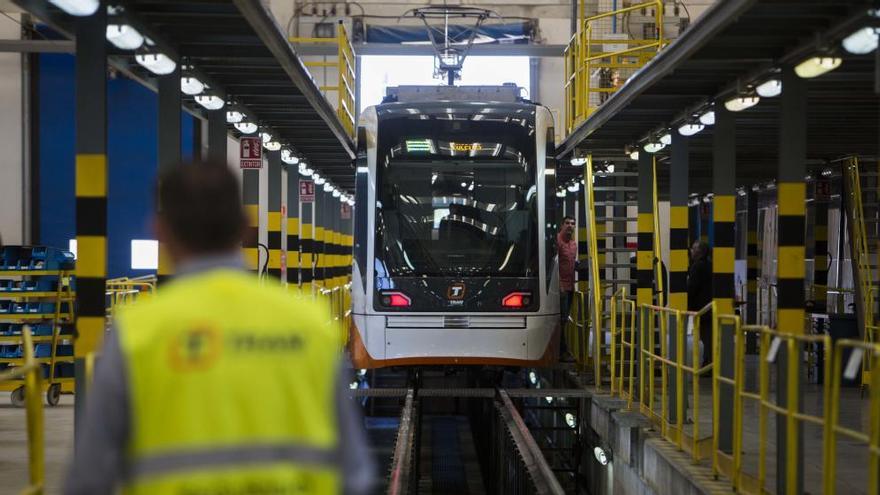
(250, 153)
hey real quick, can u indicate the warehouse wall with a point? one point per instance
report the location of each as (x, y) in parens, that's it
(12, 177)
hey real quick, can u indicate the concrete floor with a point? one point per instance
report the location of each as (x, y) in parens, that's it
(13, 444)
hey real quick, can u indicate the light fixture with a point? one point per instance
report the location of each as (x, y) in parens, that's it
(578, 162)
(272, 145)
(79, 8)
(210, 102)
(533, 377)
(666, 139)
(234, 116)
(574, 187)
(306, 172)
(265, 136)
(601, 456)
(316, 176)
(707, 117)
(319, 180)
(560, 193)
(353, 385)
(862, 41)
(769, 88)
(816, 66)
(328, 187)
(549, 399)
(634, 155)
(336, 193)
(741, 102)
(690, 129)
(191, 86)
(246, 127)
(157, 63)
(289, 158)
(570, 420)
(124, 37)
(654, 146)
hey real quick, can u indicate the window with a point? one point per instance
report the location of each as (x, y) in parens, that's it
(71, 246)
(144, 254)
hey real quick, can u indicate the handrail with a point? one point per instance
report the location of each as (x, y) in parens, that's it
(31, 371)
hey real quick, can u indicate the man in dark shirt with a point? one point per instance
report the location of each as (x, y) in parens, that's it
(699, 287)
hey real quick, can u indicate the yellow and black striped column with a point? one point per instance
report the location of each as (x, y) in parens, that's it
(338, 248)
(723, 255)
(273, 226)
(90, 191)
(678, 223)
(753, 264)
(319, 228)
(307, 243)
(645, 225)
(791, 190)
(583, 271)
(820, 246)
(292, 240)
(168, 141)
(250, 190)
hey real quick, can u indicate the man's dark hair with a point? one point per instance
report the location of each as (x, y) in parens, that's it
(201, 205)
(567, 217)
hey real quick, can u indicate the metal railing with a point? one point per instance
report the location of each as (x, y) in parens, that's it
(586, 54)
(345, 66)
(124, 290)
(645, 384)
(31, 372)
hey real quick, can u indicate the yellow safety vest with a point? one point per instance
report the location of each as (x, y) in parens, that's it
(231, 389)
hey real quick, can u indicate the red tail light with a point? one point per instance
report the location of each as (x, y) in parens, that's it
(516, 300)
(396, 299)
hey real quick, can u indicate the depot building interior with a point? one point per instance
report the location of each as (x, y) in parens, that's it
(714, 328)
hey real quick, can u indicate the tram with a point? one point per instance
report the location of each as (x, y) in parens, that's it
(454, 237)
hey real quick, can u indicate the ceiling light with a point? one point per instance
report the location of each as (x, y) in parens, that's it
(690, 129)
(234, 116)
(601, 455)
(191, 86)
(336, 193)
(769, 88)
(272, 145)
(654, 147)
(210, 102)
(578, 162)
(124, 37)
(666, 139)
(157, 63)
(707, 117)
(317, 176)
(742, 102)
(80, 8)
(816, 66)
(265, 136)
(570, 420)
(862, 41)
(634, 155)
(288, 158)
(319, 180)
(306, 172)
(574, 187)
(350, 201)
(560, 193)
(246, 127)
(328, 187)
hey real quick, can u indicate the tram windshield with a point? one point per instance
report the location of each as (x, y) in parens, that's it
(456, 197)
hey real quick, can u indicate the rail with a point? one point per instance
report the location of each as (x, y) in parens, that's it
(582, 59)
(661, 329)
(345, 66)
(401, 480)
(31, 371)
(124, 290)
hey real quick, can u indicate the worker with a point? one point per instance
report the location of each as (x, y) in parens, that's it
(699, 288)
(566, 247)
(218, 384)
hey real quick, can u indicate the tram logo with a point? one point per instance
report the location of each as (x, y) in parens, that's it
(455, 292)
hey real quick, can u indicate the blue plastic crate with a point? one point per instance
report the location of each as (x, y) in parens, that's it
(43, 350)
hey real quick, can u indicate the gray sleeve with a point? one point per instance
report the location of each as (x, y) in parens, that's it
(358, 465)
(101, 436)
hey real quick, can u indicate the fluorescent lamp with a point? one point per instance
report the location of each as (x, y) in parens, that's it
(666, 139)
(816, 66)
(272, 145)
(234, 116)
(124, 37)
(265, 136)
(79, 8)
(690, 129)
(654, 147)
(634, 155)
(157, 63)
(210, 102)
(740, 103)
(246, 127)
(862, 41)
(708, 117)
(191, 86)
(769, 88)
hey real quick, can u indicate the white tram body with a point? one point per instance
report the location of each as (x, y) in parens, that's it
(455, 250)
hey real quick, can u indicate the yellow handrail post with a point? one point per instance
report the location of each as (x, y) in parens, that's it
(679, 377)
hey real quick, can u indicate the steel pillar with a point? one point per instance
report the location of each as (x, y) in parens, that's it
(274, 214)
(217, 137)
(168, 134)
(678, 255)
(292, 239)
